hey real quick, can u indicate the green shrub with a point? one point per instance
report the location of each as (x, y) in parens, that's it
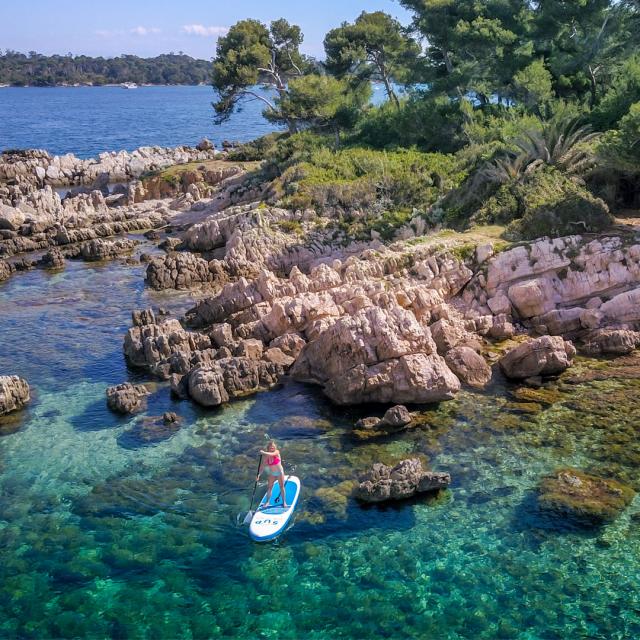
(464, 252)
(499, 125)
(294, 149)
(290, 226)
(258, 149)
(624, 91)
(621, 148)
(545, 203)
(430, 125)
(389, 222)
(356, 179)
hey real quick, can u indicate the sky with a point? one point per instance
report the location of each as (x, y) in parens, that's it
(148, 28)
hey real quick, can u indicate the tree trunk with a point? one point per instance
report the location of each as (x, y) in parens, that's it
(447, 61)
(382, 70)
(593, 87)
(390, 92)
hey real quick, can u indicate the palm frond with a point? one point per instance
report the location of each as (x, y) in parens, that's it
(561, 143)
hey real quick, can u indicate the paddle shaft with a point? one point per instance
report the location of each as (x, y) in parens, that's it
(255, 486)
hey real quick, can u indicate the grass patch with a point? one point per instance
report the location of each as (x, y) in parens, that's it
(173, 173)
(464, 252)
(290, 226)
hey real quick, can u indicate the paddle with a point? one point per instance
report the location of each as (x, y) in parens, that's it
(247, 518)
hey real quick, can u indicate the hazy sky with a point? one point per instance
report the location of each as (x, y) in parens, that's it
(146, 27)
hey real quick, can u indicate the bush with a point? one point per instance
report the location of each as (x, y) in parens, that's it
(293, 149)
(621, 148)
(624, 91)
(389, 222)
(499, 124)
(357, 179)
(544, 203)
(429, 125)
(258, 149)
(290, 226)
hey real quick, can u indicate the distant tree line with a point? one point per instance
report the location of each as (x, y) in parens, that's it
(35, 69)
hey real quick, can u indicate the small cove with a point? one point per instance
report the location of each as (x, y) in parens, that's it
(103, 536)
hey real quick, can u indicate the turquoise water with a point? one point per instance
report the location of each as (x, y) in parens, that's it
(104, 536)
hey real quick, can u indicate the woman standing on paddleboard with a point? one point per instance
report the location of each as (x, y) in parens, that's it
(271, 462)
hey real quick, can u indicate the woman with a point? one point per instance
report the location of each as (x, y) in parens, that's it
(271, 462)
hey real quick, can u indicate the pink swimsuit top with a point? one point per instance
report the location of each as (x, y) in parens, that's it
(272, 461)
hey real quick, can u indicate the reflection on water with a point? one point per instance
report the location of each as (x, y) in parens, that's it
(105, 536)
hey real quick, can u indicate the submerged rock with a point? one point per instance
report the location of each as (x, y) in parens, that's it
(395, 419)
(399, 482)
(335, 499)
(539, 395)
(587, 499)
(545, 356)
(170, 417)
(156, 428)
(126, 397)
(582, 497)
(14, 394)
(53, 259)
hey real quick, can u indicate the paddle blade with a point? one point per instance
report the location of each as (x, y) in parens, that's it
(247, 518)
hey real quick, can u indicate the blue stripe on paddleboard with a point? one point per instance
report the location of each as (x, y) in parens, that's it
(292, 491)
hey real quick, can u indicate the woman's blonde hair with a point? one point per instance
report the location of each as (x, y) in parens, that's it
(272, 442)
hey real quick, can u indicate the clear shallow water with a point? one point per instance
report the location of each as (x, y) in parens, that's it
(89, 120)
(102, 536)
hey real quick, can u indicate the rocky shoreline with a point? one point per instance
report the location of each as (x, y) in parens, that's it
(288, 294)
(112, 195)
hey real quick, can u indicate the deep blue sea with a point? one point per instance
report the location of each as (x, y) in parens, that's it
(104, 535)
(89, 120)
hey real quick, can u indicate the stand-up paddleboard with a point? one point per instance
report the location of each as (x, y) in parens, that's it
(270, 520)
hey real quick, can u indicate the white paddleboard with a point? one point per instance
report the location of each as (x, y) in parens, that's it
(270, 520)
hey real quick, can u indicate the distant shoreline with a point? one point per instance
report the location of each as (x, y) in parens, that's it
(93, 86)
(35, 69)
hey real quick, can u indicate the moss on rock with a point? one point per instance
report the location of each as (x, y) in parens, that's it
(335, 499)
(543, 396)
(584, 498)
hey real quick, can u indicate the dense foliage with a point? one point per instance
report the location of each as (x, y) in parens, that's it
(374, 46)
(251, 53)
(520, 113)
(358, 179)
(35, 69)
